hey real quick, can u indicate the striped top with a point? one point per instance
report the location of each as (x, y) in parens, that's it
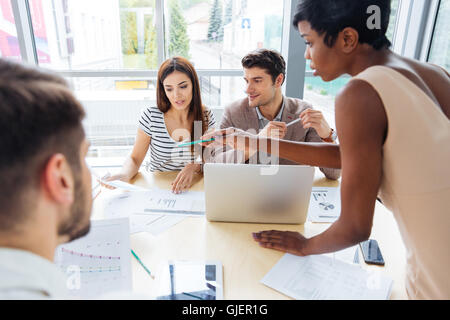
(163, 155)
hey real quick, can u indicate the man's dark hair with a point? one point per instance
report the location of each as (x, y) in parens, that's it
(39, 117)
(330, 17)
(269, 60)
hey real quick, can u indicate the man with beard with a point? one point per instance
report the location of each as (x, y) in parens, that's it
(267, 112)
(45, 184)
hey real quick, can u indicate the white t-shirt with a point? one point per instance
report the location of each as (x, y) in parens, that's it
(26, 276)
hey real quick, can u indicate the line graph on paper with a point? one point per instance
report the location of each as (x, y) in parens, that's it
(98, 263)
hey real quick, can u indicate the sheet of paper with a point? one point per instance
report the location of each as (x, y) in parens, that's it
(323, 278)
(100, 176)
(325, 204)
(155, 201)
(346, 255)
(99, 262)
(153, 223)
(124, 186)
(165, 201)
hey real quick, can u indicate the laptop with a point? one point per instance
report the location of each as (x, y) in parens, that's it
(257, 193)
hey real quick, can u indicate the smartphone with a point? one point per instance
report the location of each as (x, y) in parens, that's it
(371, 252)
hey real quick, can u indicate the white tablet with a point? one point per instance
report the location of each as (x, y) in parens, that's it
(190, 280)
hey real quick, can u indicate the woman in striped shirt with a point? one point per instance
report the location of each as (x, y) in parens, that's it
(178, 118)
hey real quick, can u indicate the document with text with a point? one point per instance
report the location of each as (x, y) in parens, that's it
(155, 201)
(324, 278)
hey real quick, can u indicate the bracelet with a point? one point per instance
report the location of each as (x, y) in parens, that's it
(332, 137)
(201, 168)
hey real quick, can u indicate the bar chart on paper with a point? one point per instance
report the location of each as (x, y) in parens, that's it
(98, 263)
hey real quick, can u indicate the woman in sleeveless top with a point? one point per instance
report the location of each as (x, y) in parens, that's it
(178, 117)
(394, 130)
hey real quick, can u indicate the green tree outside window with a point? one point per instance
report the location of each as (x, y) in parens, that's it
(178, 37)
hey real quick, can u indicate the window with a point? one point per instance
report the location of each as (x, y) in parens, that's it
(9, 43)
(216, 34)
(322, 94)
(95, 35)
(138, 34)
(395, 5)
(110, 50)
(440, 45)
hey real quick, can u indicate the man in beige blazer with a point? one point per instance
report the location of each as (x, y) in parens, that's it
(267, 112)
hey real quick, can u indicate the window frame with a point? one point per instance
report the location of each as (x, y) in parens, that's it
(25, 34)
(414, 28)
(431, 29)
(410, 39)
(21, 11)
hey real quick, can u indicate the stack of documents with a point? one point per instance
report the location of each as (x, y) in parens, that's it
(156, 210)
(323, 278)
(156, 201)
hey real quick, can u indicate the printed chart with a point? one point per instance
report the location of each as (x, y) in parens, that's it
(98, 263)
(325, 204)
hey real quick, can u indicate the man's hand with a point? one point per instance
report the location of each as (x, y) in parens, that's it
(274, 130)
(314, 119)
(286, 241)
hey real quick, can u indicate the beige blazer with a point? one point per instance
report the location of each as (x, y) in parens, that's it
(240, 115)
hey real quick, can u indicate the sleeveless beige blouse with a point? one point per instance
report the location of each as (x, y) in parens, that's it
(416, 179)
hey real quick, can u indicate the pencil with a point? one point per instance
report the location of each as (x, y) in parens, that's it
(201, 141)
(143, 266)
(294, 122)
(194, 142)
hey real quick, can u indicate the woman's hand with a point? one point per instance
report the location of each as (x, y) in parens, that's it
(286, 241)
(108, 177)
(184, 179)
(235, 138)
(214, 135)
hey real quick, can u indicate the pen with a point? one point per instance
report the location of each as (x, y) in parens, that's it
(140, 262)
(194, 142)
(201, 141)
(294, 122)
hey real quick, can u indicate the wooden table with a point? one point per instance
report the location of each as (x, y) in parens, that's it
(244, 262)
